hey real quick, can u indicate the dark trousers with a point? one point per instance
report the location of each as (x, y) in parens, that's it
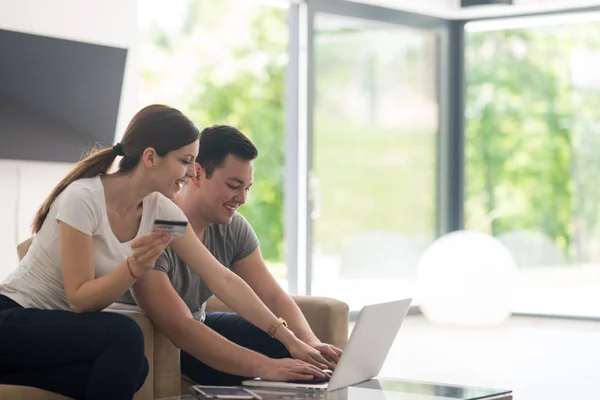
(94, 355)
(239, 331)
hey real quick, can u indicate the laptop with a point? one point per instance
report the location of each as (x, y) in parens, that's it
(370, 342)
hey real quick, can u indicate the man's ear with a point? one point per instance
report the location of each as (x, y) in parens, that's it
(199, 173)
(149, 157)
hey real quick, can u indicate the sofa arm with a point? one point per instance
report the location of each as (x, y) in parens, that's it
(167, 369)
(147, 389)
(164, 372)
(327, 317)
(23, 247)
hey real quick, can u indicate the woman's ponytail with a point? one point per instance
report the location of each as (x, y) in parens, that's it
(97, 162)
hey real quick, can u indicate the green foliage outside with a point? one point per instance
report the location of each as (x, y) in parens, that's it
(531, 147)
(254, 103)
(372, 179)
(532, 137)
(249, 95)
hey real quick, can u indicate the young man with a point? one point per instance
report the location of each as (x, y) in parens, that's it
(223, 348)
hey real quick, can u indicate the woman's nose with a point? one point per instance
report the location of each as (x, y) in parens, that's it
(191, 172)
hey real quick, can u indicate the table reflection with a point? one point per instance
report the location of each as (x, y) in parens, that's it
(389, 389)
(383, 389)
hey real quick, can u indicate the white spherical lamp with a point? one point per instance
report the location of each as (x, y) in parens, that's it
(466, 279)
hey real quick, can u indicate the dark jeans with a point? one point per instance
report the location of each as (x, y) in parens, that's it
(94, 355)
(239, 331)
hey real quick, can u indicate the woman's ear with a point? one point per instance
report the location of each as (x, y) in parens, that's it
(149, 157)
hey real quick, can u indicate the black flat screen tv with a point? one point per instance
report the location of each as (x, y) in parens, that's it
(57, 97)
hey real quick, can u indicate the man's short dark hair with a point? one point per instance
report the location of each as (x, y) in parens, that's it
(218, 141)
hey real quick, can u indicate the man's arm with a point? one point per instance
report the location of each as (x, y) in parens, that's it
(157, 297)
(253, 270)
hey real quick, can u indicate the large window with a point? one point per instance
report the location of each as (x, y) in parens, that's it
(532, 142)
(224, 62)
(532, 123)
(374, 157)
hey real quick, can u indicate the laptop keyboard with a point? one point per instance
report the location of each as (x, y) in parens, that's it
(311, 381)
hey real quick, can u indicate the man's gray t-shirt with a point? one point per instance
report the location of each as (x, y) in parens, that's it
(227, 243)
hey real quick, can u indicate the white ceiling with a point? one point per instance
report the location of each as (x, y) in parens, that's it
(451, 8)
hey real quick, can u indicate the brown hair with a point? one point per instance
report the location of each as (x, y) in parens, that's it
(161, 127)
(218, 141)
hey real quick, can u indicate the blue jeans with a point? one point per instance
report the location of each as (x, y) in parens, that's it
(239, 331)
(93, 355)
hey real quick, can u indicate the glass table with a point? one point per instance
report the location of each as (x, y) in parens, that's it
(383, 389)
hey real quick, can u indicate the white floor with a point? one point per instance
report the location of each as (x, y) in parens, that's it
(538, 358)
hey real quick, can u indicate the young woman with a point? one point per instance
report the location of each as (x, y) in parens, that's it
(94, 240)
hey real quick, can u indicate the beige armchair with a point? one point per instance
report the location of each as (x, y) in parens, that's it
(327, 317)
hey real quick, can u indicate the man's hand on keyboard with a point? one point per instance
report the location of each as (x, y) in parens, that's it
(289, 369)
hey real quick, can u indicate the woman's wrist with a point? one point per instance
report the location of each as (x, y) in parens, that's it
(310, 340)
(130, 262)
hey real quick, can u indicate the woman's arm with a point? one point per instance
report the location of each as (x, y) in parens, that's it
(227, 286)
(86, 293)
(173, 317)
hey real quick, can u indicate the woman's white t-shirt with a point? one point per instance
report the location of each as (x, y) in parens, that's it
(37, 282)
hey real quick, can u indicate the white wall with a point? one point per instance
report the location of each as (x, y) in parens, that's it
(24, 185)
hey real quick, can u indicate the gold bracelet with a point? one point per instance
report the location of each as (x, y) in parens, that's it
(275, 325)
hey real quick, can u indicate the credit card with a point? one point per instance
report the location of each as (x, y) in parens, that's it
(175, 228)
